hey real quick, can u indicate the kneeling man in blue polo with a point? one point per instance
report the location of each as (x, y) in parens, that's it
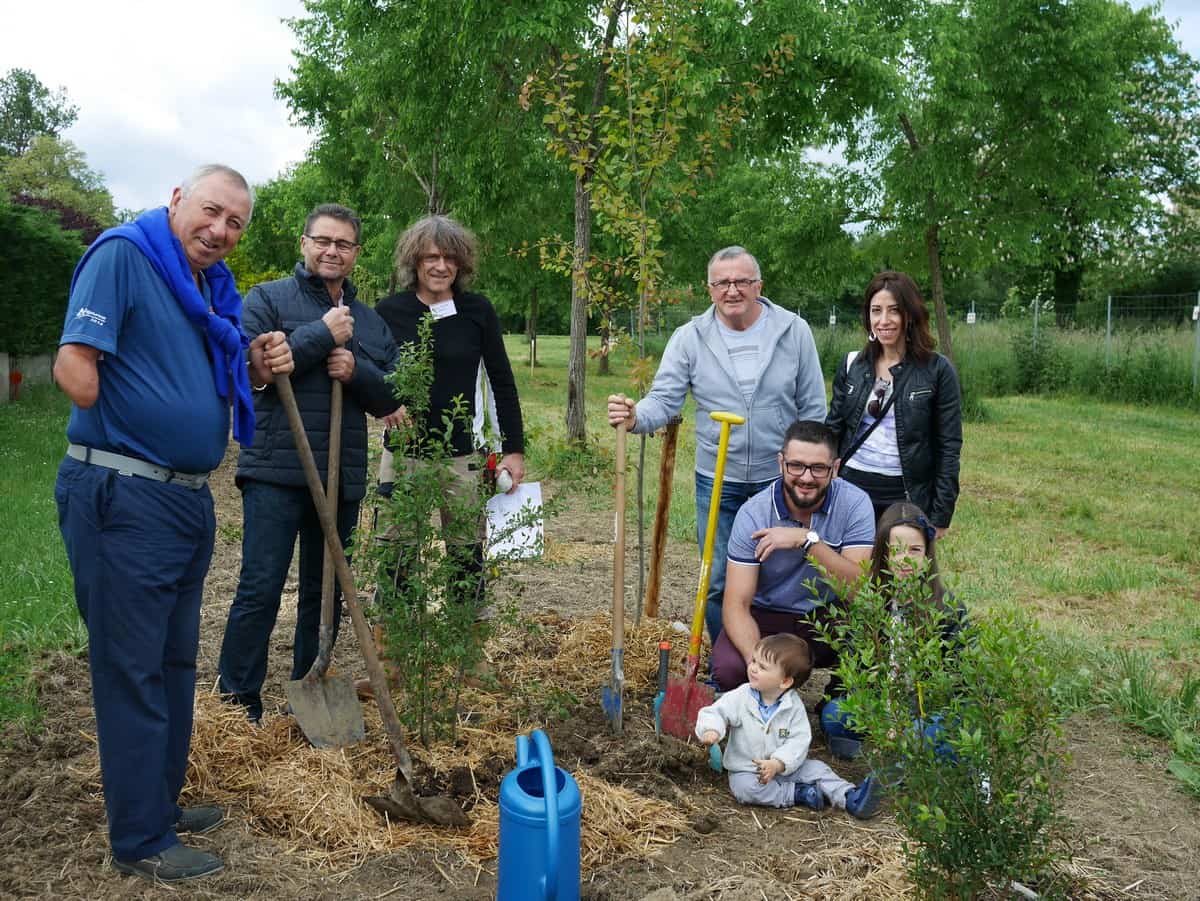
(785, 539)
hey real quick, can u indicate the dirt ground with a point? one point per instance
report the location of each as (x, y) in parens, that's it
(1134, 834)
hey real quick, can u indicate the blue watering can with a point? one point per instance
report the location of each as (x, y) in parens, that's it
(540, 807)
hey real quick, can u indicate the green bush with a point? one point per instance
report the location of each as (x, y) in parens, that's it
(977, 799)
(33, 300)
(431, 586)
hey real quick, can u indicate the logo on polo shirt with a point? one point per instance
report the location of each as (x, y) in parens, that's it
(785, 733)
(92, 316)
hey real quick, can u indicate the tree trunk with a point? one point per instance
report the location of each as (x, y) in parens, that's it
(606, 337)
(1068, 276)
(577, 359)
(531, 326)
(933, 248)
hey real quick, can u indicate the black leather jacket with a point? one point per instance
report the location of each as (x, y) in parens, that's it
(928, 426)
(295, 306)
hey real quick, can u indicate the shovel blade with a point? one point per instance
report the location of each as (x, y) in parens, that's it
(613, 700)
(681, 705)
(401, 803)
(327, 710)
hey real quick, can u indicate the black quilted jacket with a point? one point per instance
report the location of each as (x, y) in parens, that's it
(295, 306)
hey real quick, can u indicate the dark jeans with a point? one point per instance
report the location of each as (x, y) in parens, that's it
(139, 551)
(729, 666)
(273, 515)
(733, 495)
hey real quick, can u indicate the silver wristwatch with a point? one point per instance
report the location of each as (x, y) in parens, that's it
(810, 539)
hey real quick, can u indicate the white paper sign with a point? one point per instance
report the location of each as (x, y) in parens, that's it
(503, 510)
(443, 309)
(971, 318)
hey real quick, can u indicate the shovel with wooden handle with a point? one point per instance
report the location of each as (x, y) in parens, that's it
(325, 706)
(613, 694)
(401, 802)
(685, 696)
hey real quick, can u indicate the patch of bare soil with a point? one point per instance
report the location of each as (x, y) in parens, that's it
(1136, 834)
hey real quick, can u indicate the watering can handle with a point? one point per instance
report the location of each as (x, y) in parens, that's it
(550, 791)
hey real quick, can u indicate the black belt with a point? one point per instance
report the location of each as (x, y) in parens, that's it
(132, 466)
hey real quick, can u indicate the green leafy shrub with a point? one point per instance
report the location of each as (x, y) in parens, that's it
(965, 732)
(432, 582)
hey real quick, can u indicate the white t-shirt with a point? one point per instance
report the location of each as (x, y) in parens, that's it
(746, 351)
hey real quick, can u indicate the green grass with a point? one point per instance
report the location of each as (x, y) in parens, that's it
(37, 607)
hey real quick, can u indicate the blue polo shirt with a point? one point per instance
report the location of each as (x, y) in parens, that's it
(785, 579)
(158, 401)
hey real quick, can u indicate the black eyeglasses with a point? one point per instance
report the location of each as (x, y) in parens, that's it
(796, 468)
(740, 283)
(324, 243)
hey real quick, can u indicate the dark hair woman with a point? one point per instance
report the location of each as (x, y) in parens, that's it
(896, 406)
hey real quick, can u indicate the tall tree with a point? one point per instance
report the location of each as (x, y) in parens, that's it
(1011, 156)
(643, 113)
(28, 109)
(55, 169)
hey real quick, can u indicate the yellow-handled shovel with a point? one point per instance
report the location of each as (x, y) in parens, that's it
(685, 696)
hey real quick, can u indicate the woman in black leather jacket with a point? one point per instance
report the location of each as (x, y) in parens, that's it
(896, 406)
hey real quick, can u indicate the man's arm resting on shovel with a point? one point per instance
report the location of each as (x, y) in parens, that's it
(741, 581)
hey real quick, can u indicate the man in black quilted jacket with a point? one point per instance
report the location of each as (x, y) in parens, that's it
(332, 336)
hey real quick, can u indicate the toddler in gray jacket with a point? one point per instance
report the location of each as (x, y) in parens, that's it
(767, 752)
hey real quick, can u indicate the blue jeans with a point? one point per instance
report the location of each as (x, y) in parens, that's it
(733, 495)
(273, 515)
(139, 551)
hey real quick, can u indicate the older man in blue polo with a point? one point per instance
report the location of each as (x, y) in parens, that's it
(794, 549)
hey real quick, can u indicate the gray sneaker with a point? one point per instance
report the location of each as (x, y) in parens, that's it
(177, 863)
(199, 820)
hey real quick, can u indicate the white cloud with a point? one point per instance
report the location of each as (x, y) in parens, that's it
(163, 87)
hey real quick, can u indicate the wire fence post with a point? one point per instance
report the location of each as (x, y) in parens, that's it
(1036, 304)
(1108, 335)
(1196, 347)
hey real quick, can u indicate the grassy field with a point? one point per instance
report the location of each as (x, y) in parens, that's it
(1081, 513)
(37, 609)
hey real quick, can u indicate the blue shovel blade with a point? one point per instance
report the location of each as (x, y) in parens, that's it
(714, 758)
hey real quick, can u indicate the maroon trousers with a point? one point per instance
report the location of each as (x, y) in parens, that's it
(728, 665)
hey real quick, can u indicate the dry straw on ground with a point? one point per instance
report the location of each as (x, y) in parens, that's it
(312, 799)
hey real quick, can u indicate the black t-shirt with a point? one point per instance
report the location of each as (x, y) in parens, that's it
(460, 342)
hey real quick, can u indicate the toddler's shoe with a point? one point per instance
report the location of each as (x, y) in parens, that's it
(862, 801)
(808, 795)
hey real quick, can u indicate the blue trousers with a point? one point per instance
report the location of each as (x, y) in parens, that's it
(835, 722)
(273, 516)
(733, 495)
(139, 551)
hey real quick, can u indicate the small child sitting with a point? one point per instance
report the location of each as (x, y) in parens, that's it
(769, 735)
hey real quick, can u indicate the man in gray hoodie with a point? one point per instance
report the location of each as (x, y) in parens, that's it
(744, 355)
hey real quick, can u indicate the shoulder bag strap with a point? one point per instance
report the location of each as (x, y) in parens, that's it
(882, 413)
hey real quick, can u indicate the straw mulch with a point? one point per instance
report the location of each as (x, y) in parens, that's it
(312, 799)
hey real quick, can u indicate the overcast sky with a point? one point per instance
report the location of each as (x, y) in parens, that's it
(163, 86)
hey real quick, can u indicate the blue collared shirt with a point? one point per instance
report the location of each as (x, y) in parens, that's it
(787, 580)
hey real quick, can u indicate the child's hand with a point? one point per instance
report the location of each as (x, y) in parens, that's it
(711, 737)
(768, 769)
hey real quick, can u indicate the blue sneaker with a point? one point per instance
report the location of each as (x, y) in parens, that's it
(808, 795)
(862, 801)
